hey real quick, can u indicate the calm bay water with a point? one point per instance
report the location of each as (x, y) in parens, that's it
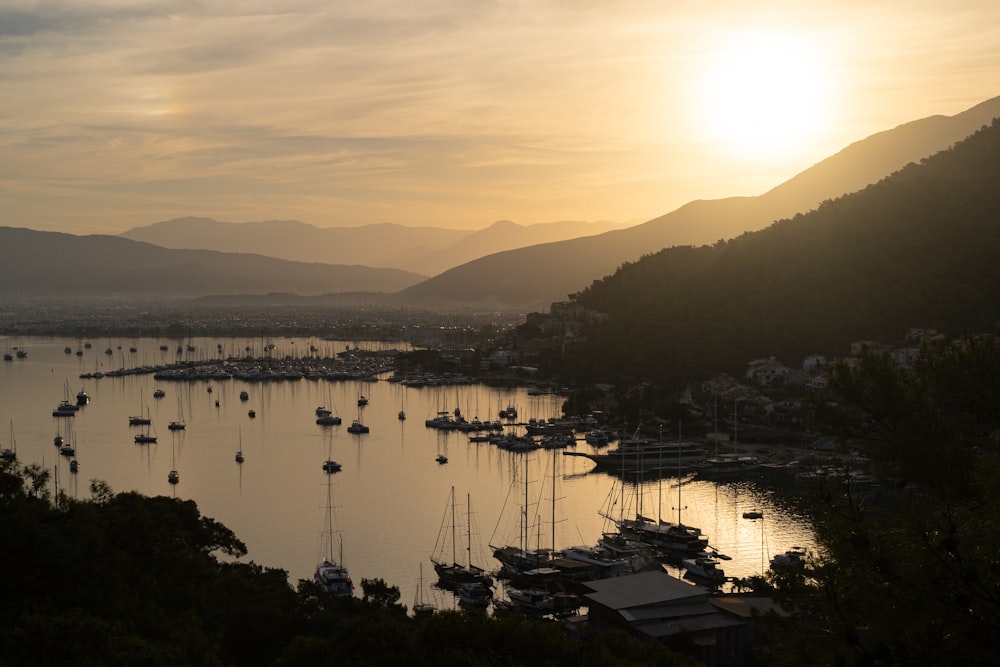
(391, 495)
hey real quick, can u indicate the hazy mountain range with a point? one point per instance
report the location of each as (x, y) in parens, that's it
(424, 250)
(524, 278)
(40, 263)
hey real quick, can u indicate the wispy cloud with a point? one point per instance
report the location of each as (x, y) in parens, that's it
(114, 114)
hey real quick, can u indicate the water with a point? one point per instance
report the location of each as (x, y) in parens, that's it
(391, 495)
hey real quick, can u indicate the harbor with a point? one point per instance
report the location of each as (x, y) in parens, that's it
(389, 486)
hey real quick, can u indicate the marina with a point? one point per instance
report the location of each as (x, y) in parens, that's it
(389, 484)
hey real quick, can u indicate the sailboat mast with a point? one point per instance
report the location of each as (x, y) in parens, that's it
(454, 547)
(553, 501)
(468, 519)
(679, 507)
(524, 538)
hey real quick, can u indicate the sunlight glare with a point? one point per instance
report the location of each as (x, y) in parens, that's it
(764, 94)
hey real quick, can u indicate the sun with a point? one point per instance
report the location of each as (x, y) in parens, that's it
(764, 94)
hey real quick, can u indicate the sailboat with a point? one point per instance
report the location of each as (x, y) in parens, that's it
(140, 420)
(331, 574)
(421, 608)
(357, 426)
(145, 437)
(179, 424)
(325, 416)
(10, 453)
(173, 476)
(239, 452)
(450, 575)
(520, 558)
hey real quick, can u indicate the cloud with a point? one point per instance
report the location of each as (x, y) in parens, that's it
(418, 112)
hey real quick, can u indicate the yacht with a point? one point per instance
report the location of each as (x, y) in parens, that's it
(357, 427)
(704, 568)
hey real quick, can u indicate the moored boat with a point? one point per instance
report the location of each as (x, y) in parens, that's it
(704, 568)
(357, 427)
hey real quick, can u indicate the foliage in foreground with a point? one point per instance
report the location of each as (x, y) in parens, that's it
(910, 572)
(124, 579)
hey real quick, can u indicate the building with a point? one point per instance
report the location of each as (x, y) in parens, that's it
(688, 618)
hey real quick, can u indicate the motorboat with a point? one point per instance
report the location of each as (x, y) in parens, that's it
(704, 568)
(794, 558)
(328, 420)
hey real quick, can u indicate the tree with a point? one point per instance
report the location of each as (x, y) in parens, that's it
(907, 573)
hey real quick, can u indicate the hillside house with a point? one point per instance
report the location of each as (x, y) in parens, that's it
(768, 372)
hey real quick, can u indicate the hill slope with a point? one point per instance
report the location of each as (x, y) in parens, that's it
(534, 277)
(917, 249)
(36, 262)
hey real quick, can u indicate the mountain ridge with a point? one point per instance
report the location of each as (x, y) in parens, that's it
(532, 278)
(37, 262)
(915, 250)
(424, 250)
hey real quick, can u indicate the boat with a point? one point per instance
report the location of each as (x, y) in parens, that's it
(793, 558)
(357, 427)
(637, 455)
(597, 438)
(179, 424)
(244, 395)
(532, 599)
(331, 466)
(701, 567)
(65, 409)
(451, 575)
(251, 413)
(753, 515)
(159, 393)
(362, 400)
(145, 437)
(401, 415)
(173, 477)
(328, 420)
(239, 456)
(74, 466)
(82, 397)
(473, 594)
(139, 420)
(520, 557)
(510, 412)
(10, 453)
(441, 458)
(331, 574)
(421, 608)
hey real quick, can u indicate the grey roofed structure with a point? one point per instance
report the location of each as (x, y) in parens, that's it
(658, 606)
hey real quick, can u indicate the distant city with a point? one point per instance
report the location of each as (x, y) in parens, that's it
(113, 317)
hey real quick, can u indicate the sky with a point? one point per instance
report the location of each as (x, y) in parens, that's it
(454, 113)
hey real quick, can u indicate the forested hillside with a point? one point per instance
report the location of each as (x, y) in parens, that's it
(917, 249)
